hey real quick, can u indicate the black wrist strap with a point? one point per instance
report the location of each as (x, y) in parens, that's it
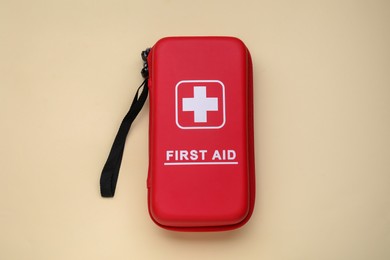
(110, 173)
(111, 169)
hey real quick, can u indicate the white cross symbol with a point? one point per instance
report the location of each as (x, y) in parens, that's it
(200, 104)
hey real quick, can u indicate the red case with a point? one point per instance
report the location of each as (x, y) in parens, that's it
(201, 148)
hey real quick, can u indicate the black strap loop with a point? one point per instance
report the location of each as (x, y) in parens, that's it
(110, 173)
(111, 168)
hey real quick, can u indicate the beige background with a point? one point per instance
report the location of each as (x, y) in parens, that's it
(69, 70)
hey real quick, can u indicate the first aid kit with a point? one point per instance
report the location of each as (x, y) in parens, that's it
(201, 139)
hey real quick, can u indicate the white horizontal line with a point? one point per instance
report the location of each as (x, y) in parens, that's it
(198, 163)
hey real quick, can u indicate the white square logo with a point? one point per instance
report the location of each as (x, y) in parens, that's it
(200, 104)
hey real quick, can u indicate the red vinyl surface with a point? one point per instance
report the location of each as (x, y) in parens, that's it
(201, 154)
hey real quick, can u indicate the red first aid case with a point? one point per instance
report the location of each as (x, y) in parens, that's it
(201, 146)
